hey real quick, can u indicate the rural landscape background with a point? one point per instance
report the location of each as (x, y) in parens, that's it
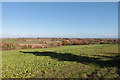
(60, 40)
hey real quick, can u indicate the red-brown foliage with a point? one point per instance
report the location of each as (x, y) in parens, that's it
(65, 42)
(59, 44)
(26, 46)
(36, 47)
(8, 46)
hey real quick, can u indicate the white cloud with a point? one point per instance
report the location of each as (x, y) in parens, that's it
(110, 36)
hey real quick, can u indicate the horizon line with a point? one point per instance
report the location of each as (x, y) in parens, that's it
(56, 37)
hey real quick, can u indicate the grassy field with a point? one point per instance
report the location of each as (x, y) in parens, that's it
(80, 61)
(22, 42)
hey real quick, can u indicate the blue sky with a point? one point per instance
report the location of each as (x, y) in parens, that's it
(60, 19)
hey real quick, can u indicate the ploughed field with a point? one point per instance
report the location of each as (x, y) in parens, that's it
(75, 61)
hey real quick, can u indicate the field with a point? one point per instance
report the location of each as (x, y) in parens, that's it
(35, 43)
(74, 61)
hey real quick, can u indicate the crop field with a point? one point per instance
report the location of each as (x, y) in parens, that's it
(21, 42)
(74, 61)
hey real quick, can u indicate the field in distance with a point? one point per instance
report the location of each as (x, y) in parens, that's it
(73, 61)
(35, 43)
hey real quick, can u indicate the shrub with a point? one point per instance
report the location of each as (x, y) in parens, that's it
(75, 42)
(8, 46)
(86, 43)
(45, 42)
(24, 47)
(44, 46)
(65, 42)
(52, 45)
(29, 46)
(36, 47)
(59, 44)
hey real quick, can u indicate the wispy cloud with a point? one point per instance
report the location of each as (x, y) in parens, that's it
(61, 35)
(60, 0)
(110, 36)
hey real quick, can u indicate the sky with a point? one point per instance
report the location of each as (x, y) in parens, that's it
(60, 19)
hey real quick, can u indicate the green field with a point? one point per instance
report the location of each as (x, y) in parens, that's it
(79, 61)
(21, 42)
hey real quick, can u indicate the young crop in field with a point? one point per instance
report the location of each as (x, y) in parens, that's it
(73, 61)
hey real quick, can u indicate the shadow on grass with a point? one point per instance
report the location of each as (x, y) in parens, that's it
(113, 62)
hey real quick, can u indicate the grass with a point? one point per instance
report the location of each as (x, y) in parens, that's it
(22, 42)
(79, 61)
(9, 40)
